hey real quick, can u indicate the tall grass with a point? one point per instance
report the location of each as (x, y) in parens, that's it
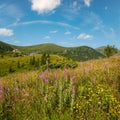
(89, 92)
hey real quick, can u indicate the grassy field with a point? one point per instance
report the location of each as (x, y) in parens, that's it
(89, 92)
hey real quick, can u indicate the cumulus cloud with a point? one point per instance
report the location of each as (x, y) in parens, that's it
(67, 33)
(6, 32)
(87, 2)
(84, 36)
(44, 6)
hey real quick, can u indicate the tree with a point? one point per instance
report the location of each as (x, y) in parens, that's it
(2, 56)
(110, 50)
(18, 64)
(32, 60)
(45, 59)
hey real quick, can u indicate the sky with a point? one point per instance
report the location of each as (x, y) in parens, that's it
(68, 23)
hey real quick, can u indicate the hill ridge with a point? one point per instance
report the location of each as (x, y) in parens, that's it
(80, 53)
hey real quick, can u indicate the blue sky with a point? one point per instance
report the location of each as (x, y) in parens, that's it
(67, 23)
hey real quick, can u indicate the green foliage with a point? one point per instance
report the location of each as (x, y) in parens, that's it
(110, 50)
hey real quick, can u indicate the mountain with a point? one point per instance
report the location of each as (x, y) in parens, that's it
(42, 48)
(81, 53)
(101, 49)
(4, 47)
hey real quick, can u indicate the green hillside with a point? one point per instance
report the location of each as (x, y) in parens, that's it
(4, 47)
(77, 53)
(81, 53)
(42, 48)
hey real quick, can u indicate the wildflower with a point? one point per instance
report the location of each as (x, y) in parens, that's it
(16, 89)
(42, 75)
(1, 92)
(89, 68)
(67, 74)
(46, 81)
(77, 105)
(99, 103)
(8, 89)
(56, 76)
(74, 79)
(55, 85)
(106, 65)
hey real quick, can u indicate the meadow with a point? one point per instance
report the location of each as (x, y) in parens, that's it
(91, 91)
(12, 63)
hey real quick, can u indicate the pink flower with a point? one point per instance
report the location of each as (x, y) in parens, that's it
(106, 65)
(56, 76)
(1, 92)
(89, 68)
(55, 85)
(42, 75)
(16, 89)
(74, 79)
(67, 74)
(46, 81)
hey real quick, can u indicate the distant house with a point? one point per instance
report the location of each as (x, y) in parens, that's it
(32, 54)
(16, 51)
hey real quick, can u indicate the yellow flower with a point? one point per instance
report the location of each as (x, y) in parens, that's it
(77, 105)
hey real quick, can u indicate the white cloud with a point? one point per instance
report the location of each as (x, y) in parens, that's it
(47, 37)
(106, 8)
(6, 32)
(87, 2)
(46, 22)
(84, 36)
(44, 6)
(2, 6)
(16, 41)
(54, 31)
(67, 33)
(74, 3)
(10, 10)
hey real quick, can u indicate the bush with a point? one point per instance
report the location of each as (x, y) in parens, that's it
(11, 70)
(60, 65)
